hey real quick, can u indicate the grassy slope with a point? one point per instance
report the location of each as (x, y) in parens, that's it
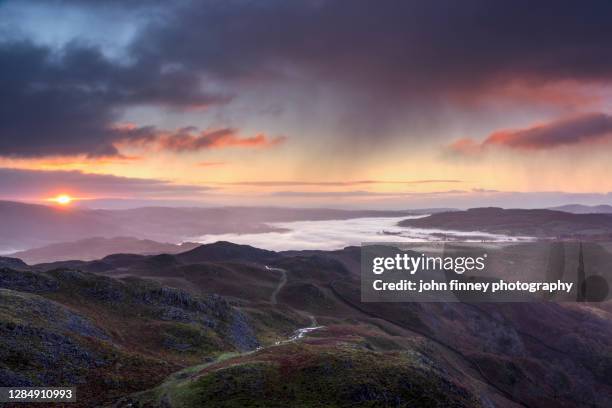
(488, 352)
(113, 337)
(339, 366)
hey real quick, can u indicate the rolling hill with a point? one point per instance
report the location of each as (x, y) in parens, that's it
(536, 223)
(584, 209)
(355, 354)
(95, 248)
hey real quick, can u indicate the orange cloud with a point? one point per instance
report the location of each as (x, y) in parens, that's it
(284, 183)
(211, 164)
(189, 138)
(465, 146)
(566, 94)
(78, 162)
(577, 130)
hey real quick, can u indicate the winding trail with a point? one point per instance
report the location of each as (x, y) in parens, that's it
(298, 334)
(281, 283)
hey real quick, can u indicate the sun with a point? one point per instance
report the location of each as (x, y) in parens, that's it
(62, 199)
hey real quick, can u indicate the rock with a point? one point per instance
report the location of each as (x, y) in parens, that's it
(27, 281)
(241, 333)
(13, 263)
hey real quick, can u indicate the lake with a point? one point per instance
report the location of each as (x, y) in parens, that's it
(337, 234)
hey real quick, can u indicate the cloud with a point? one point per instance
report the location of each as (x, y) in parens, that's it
(476, 197)
(65, 102)
(484, 190)
(211, 164)
(39, 184)
(405, 56)
(576, 130)
(189, 138)
(336, 183)
(362, 193)
(402, 50)
(464, 146)
(584, 129)
(354, 193)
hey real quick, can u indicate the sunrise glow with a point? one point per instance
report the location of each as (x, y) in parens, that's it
(62, 199)
(502, 119)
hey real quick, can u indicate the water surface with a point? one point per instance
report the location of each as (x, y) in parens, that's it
(337, 234)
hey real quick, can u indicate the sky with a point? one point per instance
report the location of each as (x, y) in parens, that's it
(394, 104)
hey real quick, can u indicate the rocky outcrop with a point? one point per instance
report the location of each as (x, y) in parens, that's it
(241, 332)
(27, 281)
(13, 263)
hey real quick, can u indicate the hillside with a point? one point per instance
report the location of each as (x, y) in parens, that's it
(537, 223)
(13, 263)
(219, 324)
(500, 349)
(106, 336)
(337, 366)
(584, 209)
(89, 249)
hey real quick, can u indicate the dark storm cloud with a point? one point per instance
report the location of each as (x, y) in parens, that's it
(66, 104)
(394, 46)
(33, 183)
(402, 53)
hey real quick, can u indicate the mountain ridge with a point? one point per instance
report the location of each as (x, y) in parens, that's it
(542, 223)
(89, 249)
(584, 209)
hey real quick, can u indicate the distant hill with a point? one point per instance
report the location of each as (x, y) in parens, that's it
(89, 249)
(29, 225)
(584, 209)
(538, 223)
(26, 226)
(223, 251)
